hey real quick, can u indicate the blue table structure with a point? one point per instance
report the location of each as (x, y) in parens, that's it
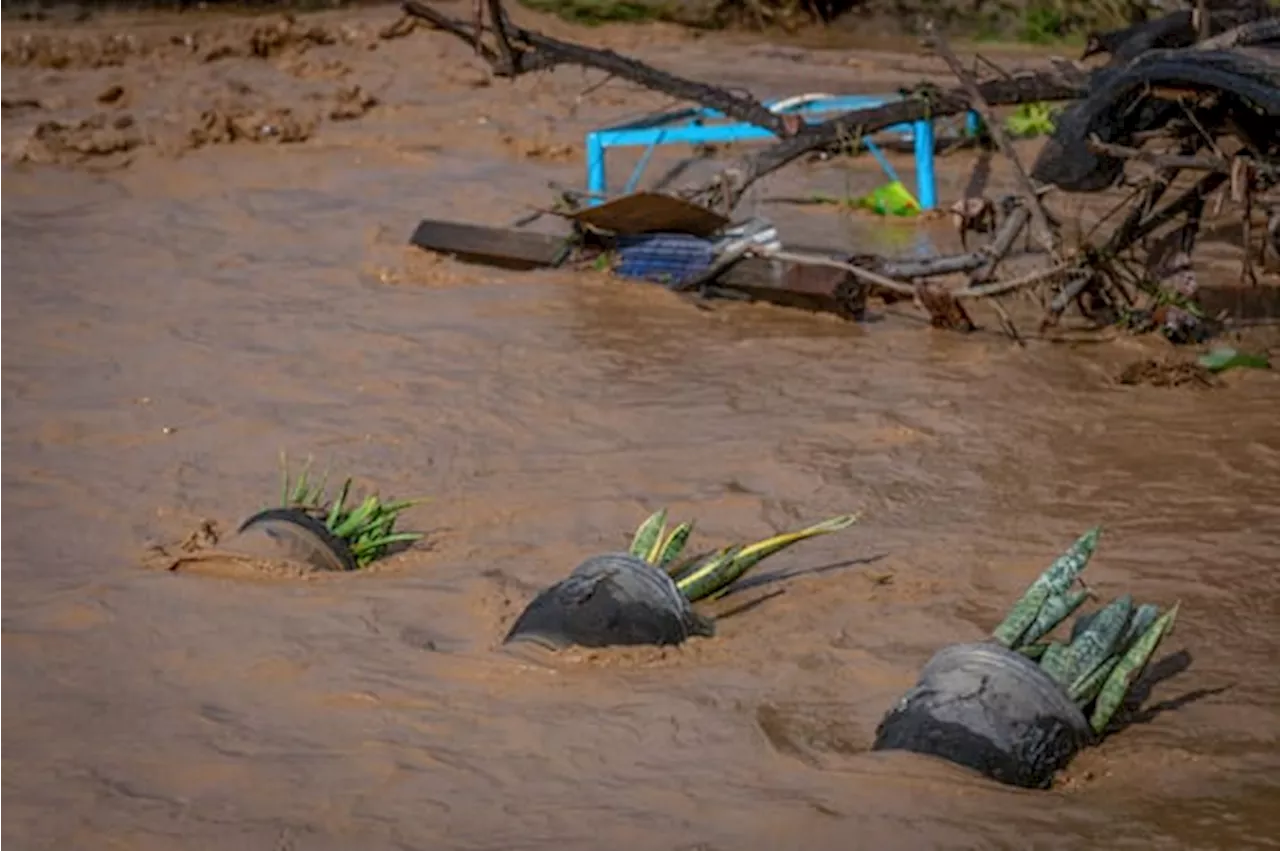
(697, 126)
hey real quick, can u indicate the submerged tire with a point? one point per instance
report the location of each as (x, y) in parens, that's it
(1121, 104)
(610, 600)
(992, 710)
(293, 535)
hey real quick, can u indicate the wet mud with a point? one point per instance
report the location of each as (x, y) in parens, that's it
(201, 285)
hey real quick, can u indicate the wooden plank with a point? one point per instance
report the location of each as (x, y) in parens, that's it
(777, 282)
(505, 248)
(787, 284)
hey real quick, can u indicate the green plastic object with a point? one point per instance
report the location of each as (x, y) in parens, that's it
(1220, 360)
(891, 199)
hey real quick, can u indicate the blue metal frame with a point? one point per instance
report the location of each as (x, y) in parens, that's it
(695, 127)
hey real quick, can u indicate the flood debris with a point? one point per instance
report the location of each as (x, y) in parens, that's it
(1170, 103)
(702, 267)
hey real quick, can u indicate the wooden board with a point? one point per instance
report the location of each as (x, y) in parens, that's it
(505, 248)
(820, 288)
(788, 284)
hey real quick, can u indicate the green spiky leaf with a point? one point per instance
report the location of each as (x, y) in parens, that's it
(706, 575)
(1101, 640)
(1053, 662)
(1033, 651)
(1020, 618)
(366, 528)
(1055, 580)
(1141, 620)
(1066, 569)
(1056, 609)
(1082, 623)
(714, 578)
(1129, 669)
(648, 534)
(674, 545)
(1085, 689)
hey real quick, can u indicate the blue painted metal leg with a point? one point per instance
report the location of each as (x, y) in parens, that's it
(597, 182)
(971, 123)
(926, 184)
(643, 164)
(885, 165)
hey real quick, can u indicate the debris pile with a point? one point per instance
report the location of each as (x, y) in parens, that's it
(1197, 91)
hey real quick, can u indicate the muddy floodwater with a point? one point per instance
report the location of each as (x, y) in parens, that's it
(189, 296)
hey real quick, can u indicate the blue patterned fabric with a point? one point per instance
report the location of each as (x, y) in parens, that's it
(665, 258)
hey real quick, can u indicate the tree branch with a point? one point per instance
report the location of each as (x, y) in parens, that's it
(523, 51)
(727, 188)
(1047, 236)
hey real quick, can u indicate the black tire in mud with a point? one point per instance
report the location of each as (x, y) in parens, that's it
(294, 535)
(1124, 101)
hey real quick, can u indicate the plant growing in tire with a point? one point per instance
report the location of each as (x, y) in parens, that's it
(330, 533)
(646, 594)
(1021, 705)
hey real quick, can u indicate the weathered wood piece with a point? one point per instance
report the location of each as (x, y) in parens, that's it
(504, 248)
(779, 282)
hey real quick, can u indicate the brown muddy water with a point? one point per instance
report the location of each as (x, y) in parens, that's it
(175, 317)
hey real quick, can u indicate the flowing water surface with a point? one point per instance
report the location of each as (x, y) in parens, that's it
(171, 325)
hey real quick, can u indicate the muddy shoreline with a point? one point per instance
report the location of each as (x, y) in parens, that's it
(179, 312)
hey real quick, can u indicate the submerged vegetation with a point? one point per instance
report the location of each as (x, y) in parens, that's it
(1032, 119)
(366, 527)
(1106, 650)
(709, 575)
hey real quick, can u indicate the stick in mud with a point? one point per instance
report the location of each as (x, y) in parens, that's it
(1047, 235)
(1185, 162)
